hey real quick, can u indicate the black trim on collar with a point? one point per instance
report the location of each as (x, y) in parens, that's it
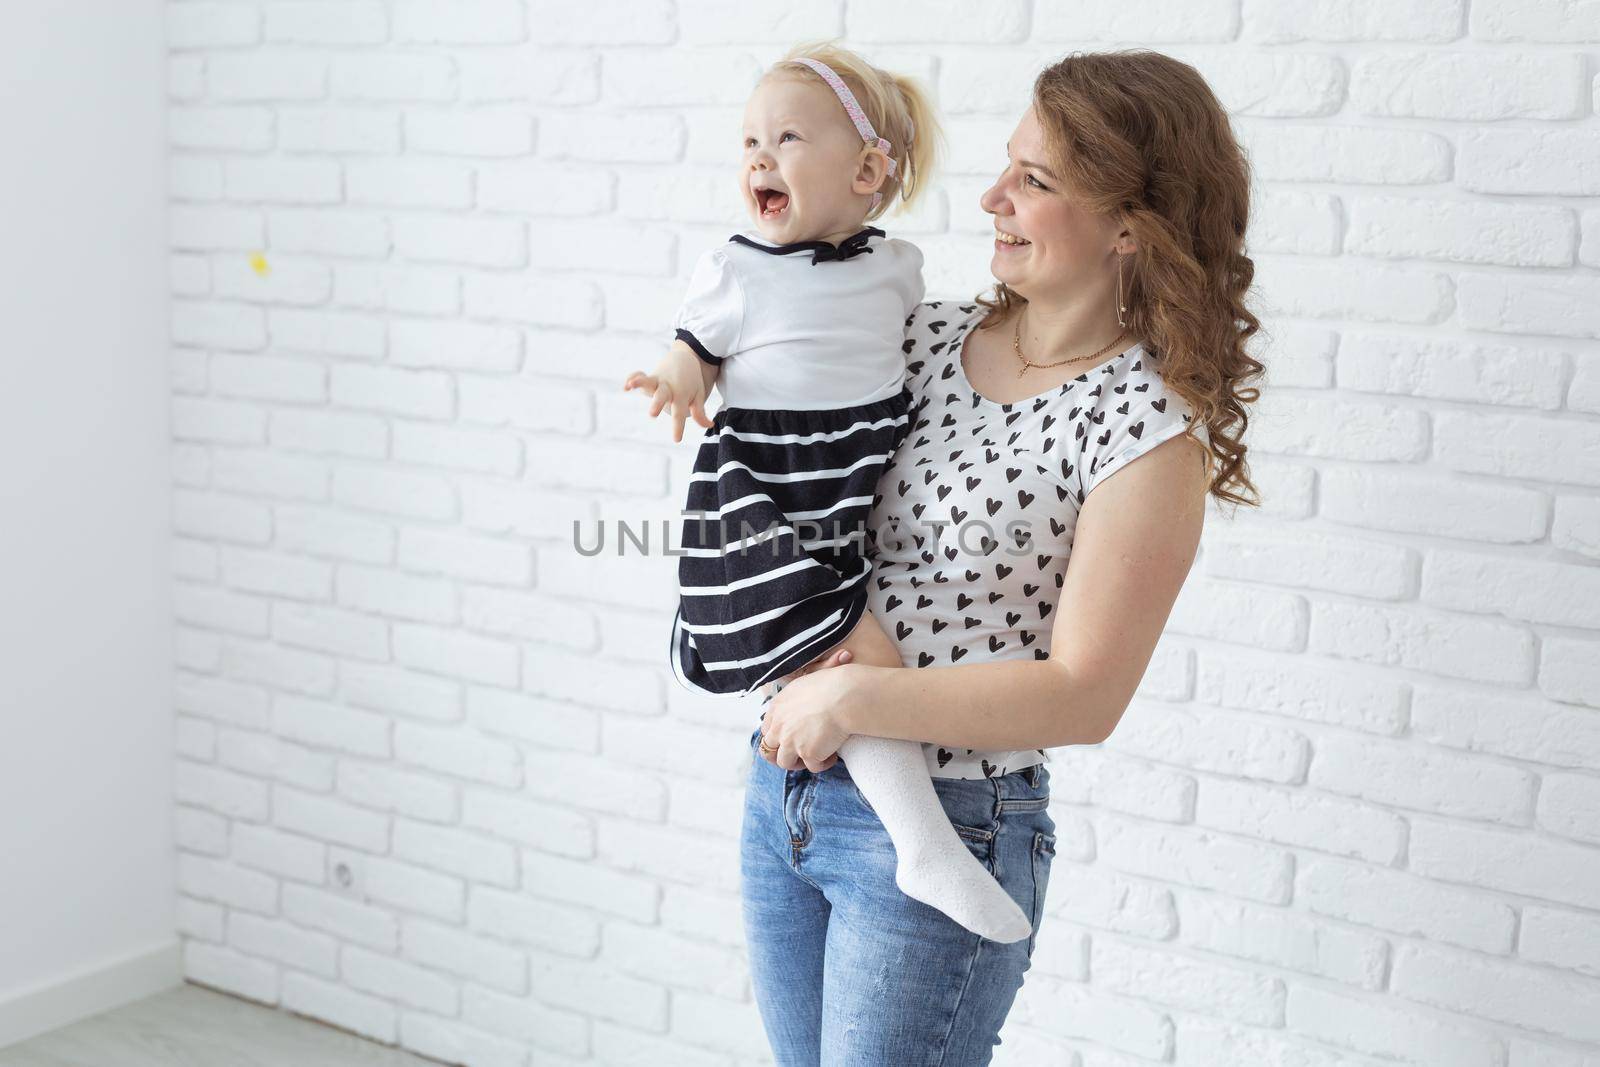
(821, 251)
(699, 349)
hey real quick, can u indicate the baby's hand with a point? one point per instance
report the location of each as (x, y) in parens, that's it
(676, 381)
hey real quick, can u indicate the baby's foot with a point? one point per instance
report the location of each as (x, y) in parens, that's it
(953, 881)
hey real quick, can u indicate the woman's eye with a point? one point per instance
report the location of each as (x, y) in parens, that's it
(1037, 183)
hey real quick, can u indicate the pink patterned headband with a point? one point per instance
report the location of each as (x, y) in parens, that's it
(857, 116)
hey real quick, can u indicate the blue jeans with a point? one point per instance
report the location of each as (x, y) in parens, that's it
(847, 969)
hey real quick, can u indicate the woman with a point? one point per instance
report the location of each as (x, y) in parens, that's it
(1116, 332)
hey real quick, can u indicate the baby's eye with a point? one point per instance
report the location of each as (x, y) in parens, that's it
(788, 134)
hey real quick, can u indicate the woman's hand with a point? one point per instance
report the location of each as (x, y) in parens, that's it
(802, 724)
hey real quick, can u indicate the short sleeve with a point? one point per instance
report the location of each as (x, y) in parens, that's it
(1155, 414)
(712, 315)
(908, 274)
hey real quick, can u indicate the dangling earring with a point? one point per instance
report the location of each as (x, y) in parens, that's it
(1121, 307)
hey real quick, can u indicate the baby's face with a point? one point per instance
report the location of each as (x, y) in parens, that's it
(800, 156)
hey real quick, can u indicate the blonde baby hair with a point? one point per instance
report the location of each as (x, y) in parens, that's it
(897, 106)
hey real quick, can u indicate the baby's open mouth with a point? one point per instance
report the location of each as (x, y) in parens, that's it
(771, 202)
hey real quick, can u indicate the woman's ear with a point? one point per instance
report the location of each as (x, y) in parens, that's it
(1125, 244)
(872, 171)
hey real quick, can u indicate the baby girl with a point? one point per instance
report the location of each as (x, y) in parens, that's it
(800, 324)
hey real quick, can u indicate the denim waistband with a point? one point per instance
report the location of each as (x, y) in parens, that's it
(1030, 774)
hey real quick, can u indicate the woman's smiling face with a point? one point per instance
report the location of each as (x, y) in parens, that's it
(800, 155)
(1045, 244)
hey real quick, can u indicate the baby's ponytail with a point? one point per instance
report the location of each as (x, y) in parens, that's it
(898, 108)
(921, 137)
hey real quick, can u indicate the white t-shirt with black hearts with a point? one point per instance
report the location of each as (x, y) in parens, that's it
(1002, 483)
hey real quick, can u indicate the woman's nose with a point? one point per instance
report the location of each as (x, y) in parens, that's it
(992, 199)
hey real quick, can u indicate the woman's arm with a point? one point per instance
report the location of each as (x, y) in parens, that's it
(1011, 704)
(1136, 539)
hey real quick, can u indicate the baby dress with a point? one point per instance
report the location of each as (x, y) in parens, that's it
(808, 338)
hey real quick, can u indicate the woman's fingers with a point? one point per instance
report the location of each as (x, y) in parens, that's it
(833, 660)
(772, 753)
(773, 750)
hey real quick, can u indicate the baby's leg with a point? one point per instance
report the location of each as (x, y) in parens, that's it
(933, 865)
(867, 643)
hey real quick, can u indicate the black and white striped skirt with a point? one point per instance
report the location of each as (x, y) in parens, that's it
(775, 573)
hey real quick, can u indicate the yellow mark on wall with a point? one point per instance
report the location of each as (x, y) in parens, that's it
(258, 263)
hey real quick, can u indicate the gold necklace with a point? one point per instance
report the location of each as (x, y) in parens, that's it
(1016, 344)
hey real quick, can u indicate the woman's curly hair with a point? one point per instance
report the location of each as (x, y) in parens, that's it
(1140, 137)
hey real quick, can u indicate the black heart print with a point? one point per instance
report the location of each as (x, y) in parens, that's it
(998, 456)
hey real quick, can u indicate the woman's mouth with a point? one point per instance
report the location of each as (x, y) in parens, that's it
(1007, 242)
(772, 203)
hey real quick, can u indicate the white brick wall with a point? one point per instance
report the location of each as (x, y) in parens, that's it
(435, 784)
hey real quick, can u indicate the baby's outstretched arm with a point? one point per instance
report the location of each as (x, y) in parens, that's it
(683, 380)
(708, 374)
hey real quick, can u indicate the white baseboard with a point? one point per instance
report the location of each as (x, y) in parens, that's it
(62, 1001)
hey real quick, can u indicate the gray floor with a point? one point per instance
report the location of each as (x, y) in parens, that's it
(192, 1026)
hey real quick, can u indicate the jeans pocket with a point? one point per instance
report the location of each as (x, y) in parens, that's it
(1044, 854)
(962, 812)
(979, 841)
